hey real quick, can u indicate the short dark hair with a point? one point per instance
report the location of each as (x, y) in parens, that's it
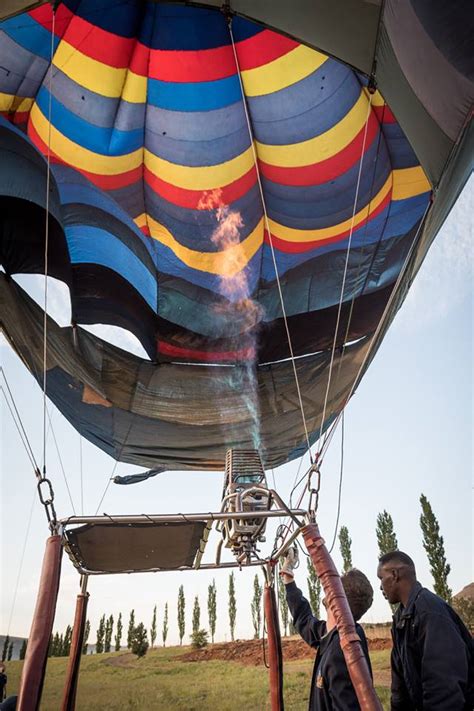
(359, 592)
(397, 557)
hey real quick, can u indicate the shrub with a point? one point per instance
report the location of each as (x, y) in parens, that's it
(139, 641)
(199, 639)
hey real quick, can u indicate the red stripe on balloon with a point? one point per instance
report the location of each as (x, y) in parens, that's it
(191, 198)
(263, 48)
(96, 43)
(43, 15)
(206, 356)
(193, 65)
(325, 170)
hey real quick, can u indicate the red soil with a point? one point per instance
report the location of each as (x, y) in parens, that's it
(250, 652)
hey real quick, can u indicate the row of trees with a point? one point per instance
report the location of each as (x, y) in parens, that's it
(433, 544)
(137, 638)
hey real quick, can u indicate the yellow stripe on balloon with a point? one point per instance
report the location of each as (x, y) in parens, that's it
(282, 72)
(89, 73)
(320, 147)
(408, 182)
(205, 177)
(101, 78)
(289, 234)
(11, 102)
(78, 157)
(226, 263)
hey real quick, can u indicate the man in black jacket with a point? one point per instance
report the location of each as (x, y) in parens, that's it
(331, 687)
(432, 656)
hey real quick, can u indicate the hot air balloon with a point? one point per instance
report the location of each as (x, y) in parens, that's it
(248, 188)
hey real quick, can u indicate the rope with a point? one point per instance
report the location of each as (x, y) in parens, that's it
(20, 427)
(60, 461)
(341, 298)
(378, 329)
(340, 486)
(46, 241)
(267, 225)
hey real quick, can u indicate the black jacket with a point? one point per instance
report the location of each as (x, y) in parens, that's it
(432, 656)
(331, 687)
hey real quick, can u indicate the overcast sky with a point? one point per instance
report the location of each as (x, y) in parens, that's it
(408, 430)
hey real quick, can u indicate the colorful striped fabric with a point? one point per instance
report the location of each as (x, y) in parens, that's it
(152, 156)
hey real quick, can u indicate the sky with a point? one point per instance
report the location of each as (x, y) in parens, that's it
(408, 430)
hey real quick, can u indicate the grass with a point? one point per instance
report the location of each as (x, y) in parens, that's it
(161, 682)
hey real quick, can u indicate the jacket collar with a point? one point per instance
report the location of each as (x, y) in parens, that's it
(404, 612)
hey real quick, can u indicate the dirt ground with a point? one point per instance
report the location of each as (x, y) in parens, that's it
(250, 652)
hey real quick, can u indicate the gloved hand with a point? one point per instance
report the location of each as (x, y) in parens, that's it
(289, 562)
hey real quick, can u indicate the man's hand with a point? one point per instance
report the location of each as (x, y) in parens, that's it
(289, 563)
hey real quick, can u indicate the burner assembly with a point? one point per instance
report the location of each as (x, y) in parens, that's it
(245, 492)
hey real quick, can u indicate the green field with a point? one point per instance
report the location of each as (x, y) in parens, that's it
(161, 682)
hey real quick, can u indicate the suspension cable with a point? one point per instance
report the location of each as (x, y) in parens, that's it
(340, 485)
(351, 310)
(270, 239)
(46, 241)
(81, 474)
(343, 285)
(376, 333)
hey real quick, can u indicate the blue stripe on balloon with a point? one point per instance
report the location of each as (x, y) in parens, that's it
(307, 108)
(396, 219)
(105, 141)
(195, 96)
(30, 35)
(92, 245)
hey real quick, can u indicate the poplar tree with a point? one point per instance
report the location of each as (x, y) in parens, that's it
(67, 642)
(6, 642)
(99, 645)
(232, 605)
(212, 608)
(153, 628)
(109, 628)
(345, 544)
(283, 605)
(433, 544)
(131, 627)
(386, 538)
(118, 634)
(10, 652)
(87, 631)
(314, 589)
(55, 645)
(196, 615)
(181, 615)
(60, 646)
(23, 648)
(164, 633)
(256, 607)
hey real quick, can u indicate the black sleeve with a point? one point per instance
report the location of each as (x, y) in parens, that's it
(400, 699)
(307, 625)
(444, 663)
